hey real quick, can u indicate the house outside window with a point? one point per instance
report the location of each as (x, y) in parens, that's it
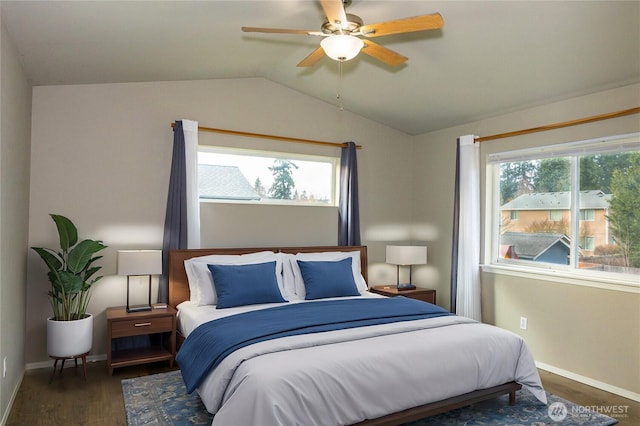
(576, 205)
(531, 213)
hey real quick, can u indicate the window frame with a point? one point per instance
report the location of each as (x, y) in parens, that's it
(546, 271)
(333, 160)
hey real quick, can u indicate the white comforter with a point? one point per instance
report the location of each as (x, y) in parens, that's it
(347, 376)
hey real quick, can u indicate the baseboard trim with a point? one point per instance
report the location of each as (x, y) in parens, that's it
(5, 416)
(589, 381)
(49, 364)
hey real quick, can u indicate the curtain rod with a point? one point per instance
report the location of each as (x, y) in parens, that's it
(263, 136)
(585, 120)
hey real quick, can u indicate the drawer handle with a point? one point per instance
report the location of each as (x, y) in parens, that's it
(143, 324)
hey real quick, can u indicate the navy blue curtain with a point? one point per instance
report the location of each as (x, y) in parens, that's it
(456, 233)
(175, 221)
(348, 210)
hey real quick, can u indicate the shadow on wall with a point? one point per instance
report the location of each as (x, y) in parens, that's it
(402, 232)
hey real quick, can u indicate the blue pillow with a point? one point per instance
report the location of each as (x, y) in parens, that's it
(239, 285)
(328, 279)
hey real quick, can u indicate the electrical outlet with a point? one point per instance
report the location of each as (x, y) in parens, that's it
(4, 367)
(523, 323)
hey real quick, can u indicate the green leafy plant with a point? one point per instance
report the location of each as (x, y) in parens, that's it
(71, 271)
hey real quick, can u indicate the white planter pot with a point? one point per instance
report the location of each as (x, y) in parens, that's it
(69, 338)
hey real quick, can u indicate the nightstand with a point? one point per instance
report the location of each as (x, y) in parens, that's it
(159, 325)
(424, 294)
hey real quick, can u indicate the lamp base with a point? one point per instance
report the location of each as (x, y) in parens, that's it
(139, 308)
(406, 286)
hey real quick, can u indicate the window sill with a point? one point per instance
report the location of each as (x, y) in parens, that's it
(565, 277)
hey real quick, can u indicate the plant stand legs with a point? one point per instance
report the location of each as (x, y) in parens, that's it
(75, 360)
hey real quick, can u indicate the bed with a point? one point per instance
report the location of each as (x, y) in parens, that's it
(382, 373)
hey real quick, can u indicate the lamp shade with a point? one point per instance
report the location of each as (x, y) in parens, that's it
(407, 255)
(139, 262)
(341, 47)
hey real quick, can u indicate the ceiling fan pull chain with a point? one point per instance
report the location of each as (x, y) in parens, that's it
(339, 94)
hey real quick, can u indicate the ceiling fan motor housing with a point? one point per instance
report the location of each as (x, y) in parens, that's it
(352, 25)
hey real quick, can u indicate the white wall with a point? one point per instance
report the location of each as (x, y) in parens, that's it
(101, 156)
(590, 333)
(15, 125)
(225, 225)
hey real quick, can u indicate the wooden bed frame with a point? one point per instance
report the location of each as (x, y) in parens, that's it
(179, 292)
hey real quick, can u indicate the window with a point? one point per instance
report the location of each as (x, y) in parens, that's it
(588, 214)
(514, 215)
(578, 207)
(555, 215)
(249, 176)
(587, 243)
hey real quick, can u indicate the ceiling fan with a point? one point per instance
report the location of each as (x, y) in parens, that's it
(341, 33)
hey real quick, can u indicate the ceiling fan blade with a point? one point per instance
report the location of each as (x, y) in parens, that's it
(279, 31)
(334, 9)
(406, 25)
(314, 57)
(383, 54)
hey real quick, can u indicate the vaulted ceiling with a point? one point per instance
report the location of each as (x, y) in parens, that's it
(491, 57)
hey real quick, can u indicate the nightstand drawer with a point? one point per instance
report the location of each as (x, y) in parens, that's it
(425, 297)
(141, 326)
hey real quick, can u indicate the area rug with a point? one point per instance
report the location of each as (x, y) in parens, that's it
(161, 399)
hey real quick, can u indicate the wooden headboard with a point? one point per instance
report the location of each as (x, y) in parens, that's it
(179, 285)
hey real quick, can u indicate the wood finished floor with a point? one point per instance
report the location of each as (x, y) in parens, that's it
(69, 400)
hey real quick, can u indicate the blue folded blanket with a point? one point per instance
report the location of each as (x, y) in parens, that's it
(211, 342)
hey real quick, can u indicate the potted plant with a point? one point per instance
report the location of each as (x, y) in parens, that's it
(72, 273)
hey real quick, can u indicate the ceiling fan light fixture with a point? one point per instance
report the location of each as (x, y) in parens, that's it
(341, 47)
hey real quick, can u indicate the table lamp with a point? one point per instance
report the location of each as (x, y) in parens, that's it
(406, 256)
(139, 263)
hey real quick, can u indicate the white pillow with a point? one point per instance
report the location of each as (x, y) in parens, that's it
(201, 285)
(289, 282)
(325, 256)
